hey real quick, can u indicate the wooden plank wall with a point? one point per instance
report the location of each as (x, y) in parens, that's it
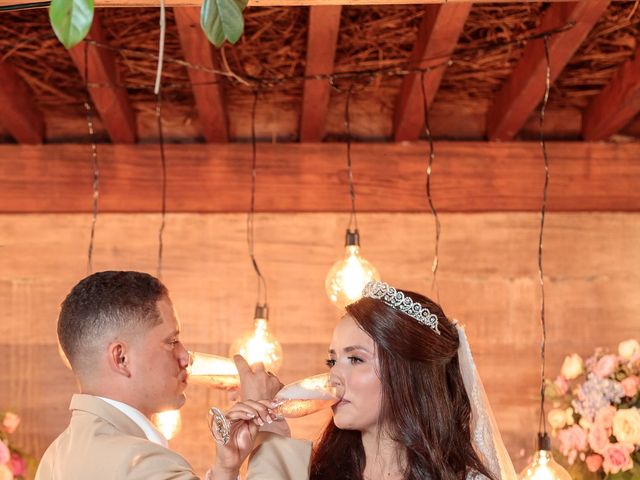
(488, 280)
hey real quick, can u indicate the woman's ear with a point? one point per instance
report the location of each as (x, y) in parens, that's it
(119, 358)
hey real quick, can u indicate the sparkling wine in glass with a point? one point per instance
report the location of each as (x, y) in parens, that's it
(294, 400)
(213, 371)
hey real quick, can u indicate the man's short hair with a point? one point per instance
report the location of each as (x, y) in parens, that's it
(106, 303)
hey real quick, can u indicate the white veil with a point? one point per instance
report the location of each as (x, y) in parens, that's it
(485, 435)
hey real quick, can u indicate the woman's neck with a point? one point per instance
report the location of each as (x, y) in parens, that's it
(384, 459)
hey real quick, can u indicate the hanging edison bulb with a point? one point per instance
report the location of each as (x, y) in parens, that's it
(348, 276)
(168, 422)
(542, 465)
(259, 345)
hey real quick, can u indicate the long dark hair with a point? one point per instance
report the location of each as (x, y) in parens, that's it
(425, 408)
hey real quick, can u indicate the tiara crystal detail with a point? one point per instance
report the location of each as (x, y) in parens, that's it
(398, 300)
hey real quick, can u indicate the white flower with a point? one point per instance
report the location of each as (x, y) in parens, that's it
(572, 366)
(557, 418)
(626, 425)
(628, 349)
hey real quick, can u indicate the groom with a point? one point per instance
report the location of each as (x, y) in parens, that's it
(121, 336)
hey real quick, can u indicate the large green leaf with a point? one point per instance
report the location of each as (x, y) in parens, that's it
(71, 20)
(222, 20)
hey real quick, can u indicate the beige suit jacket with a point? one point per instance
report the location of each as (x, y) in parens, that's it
(102, 443)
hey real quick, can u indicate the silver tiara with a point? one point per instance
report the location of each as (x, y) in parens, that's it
(398, 300)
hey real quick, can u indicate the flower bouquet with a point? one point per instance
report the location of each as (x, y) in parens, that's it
(14, 463)
(596, 416)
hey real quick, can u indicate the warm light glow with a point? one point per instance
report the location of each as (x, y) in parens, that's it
(347, 277)
(544, 467)
(213, 371)
(259, 346)
(169, 423)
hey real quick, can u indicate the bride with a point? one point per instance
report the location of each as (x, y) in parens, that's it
(407, 412)
(413, 406)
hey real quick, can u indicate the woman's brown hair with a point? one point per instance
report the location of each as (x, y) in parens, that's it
(425, 408)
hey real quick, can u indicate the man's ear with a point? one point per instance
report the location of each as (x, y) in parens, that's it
(119, 358)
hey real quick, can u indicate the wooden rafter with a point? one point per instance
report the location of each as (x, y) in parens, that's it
(19, 116)
(324, 23)
(109, 97)
(207, 90)
(311, 177)
(524, 89)
(437, 38)
(616, 105)
(271, 3)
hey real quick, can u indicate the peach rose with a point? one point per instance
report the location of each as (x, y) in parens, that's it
(604, 416)
(629, 349)
(630, 385)
(626, 425)
(562, 385)
(572, 366)
(594, 462)
(10, 422)
(5, 473)
(598, 438)
(617, 458)
(573, 439)
(606, 366)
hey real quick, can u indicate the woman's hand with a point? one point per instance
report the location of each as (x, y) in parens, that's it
(245, 418)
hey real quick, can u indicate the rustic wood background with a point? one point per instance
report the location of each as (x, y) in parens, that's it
(487, 280)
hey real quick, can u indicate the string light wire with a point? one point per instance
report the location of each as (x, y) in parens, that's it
(252, 82)
(163, 160)
(94, 162)
(434, 212)
(353, 219)
(261, 295)
(542, 425)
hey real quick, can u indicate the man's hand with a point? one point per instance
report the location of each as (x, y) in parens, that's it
(258, 384)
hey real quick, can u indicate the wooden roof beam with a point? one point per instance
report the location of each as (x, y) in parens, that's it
(437, 38)
(524, 89)
(109, 98)
(309, 177)
(207, 87)
(274, 3)
(616, 105)
(322, 37)
(19, 116)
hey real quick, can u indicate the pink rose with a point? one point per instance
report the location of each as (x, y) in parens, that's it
(606, 366)
(594, 462)
(617, 458)
(631, 384)
(562, 385)
(573, 438)
(5, 454)
(17, 464)
(604, 417)
(598, 438)
(10, 422)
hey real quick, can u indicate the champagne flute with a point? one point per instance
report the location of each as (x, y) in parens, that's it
(213, 371)
(294, 400)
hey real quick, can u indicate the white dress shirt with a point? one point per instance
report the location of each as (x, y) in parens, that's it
(153, 434)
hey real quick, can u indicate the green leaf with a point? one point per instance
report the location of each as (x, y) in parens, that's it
(222, 20)
(71, 20)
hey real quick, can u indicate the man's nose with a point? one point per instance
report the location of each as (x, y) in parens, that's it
(183, 356)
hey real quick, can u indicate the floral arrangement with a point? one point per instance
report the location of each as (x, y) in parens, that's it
(14, 463)
(596, 416)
